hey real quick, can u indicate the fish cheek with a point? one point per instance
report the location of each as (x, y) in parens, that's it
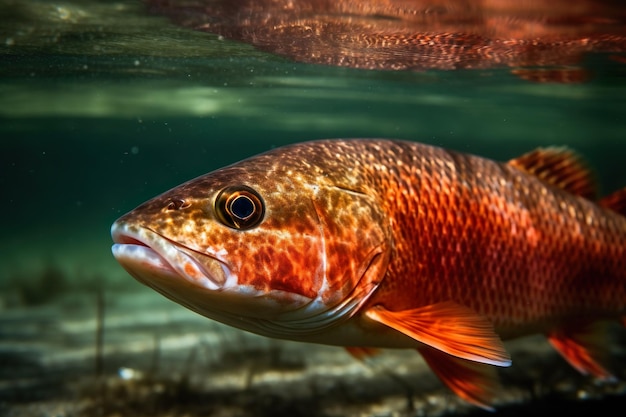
(299, 277)
(286, 256)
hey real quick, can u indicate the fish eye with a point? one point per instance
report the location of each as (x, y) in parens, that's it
(239, 207)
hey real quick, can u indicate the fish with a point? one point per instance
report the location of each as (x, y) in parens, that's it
(538, 41)
(376, 243)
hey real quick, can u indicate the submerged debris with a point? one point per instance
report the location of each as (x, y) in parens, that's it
(162, 361)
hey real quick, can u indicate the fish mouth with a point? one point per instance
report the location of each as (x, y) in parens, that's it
(150, 257)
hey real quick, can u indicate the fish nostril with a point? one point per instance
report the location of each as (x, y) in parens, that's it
(176, 204)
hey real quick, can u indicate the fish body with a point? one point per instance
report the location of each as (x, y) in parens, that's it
(389, 244)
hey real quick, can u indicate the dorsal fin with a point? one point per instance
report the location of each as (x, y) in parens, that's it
(560, 167)
(615, 201)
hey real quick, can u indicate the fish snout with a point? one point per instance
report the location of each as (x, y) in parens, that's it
(150, 258)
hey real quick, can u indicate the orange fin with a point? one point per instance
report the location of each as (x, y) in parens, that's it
(553, 75)
(615, 201)
(584, 347)
(362, 353)
(474, 382)
(449, 327)
(560, 167)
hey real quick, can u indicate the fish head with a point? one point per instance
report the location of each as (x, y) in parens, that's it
(269, 245)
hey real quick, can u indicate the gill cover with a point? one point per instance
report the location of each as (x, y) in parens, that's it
(356, 239)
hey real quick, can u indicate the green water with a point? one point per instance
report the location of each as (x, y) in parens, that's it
(103, 106)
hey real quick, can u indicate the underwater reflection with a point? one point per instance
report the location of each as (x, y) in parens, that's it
(550, 37)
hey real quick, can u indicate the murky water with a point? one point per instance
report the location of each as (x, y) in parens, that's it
(105, 104)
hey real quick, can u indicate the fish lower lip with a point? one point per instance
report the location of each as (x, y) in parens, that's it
(148, 256)
(139, 259)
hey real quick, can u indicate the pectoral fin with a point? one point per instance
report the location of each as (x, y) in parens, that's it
(450, 328)
(584, 347)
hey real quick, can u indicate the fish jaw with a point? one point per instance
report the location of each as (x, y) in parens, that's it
(146, 255)
(205, 283)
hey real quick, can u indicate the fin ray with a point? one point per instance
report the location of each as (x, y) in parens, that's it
(615, 201)
(449, 327)
(476, 383)
(583, 347)
(361, 353)
(560, 167)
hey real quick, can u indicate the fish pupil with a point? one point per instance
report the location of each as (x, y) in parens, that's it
(242, 207)
(239, 207)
